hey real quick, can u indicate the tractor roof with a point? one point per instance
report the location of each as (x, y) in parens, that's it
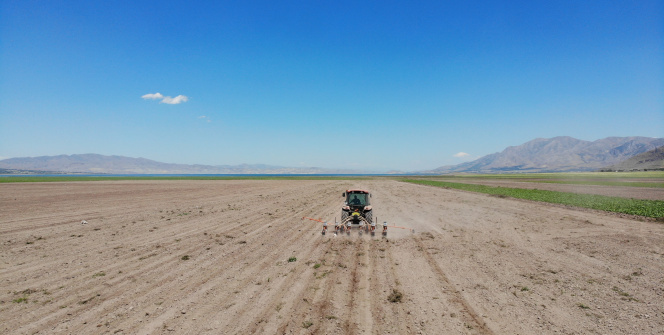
(357, 191)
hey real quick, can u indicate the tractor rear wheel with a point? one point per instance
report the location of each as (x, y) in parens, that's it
(369, 216)
(344, 215)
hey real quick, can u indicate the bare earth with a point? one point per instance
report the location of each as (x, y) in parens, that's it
(211, 257)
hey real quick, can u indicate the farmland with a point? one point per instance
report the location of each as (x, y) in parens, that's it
(234, 256)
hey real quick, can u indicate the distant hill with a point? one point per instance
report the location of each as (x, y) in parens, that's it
(558, 154)
(100, 164)
(649, 160)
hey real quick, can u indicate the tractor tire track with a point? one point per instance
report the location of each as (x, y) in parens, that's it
(470, 317)
(320, 246)
(398, 313)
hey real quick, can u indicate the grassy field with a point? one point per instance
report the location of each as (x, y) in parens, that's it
(648, 208)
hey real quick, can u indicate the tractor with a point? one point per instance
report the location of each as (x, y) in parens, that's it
(355, 212)
(357, 208)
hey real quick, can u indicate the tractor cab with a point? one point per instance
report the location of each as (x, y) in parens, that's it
(357, 207)
(357, 198)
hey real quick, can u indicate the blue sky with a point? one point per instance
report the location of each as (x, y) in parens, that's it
(376, 85)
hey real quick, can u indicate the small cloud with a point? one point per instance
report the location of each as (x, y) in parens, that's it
(166, 99)
(461, 154)
(176, 100)
(204, 118)
(153, 96)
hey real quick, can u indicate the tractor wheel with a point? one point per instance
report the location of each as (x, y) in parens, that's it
(369, 216)
(344, 215)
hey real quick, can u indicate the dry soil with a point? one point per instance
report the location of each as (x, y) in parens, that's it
(212, 257)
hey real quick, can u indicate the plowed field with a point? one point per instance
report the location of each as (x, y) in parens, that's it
(212, 257)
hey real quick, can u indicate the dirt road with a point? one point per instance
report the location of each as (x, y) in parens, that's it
(212, 257)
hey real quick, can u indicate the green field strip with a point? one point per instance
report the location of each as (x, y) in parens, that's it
(648, 208)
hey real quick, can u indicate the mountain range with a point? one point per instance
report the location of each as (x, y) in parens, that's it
(100, 164)
(558, 154)
(649, 160)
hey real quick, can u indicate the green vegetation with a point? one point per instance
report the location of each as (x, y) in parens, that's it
(649, 208)
(620, 291)
(395, 296)
(307, 324)
(23, 299)
(292, 259)
(582, 306)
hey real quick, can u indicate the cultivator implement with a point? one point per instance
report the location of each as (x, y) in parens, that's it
(347, 225)
(356, 213)
(361, 223)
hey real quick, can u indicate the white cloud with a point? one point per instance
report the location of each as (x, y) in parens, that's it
(176, 100)
(153, 96)
(204, 118)
(166, 99)
(461, 154)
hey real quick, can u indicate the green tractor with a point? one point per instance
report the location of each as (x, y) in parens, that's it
(357, 208)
